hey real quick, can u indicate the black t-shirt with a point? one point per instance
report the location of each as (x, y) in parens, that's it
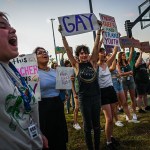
(87, 79)
(141, 74)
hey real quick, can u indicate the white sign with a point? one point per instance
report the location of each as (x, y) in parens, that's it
(28, 68)
(77, 24)
(63, 75)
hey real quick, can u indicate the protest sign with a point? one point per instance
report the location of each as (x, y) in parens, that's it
(78, 24)
(63, 75)
(110, 35)
(59, 50)
(28, 68)
(126, 42)
(145, 47)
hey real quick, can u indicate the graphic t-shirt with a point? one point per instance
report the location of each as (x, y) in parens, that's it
(14, 121)
(87, 80)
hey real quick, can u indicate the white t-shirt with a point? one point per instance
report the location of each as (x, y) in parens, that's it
(14, 122)
(104, 77)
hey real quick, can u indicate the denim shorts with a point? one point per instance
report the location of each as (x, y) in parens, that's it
(117, 84)
(128, 83)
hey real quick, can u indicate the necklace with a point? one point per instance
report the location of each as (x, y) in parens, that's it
(44, 69)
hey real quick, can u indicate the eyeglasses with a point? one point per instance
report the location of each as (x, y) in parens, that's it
(42, 52)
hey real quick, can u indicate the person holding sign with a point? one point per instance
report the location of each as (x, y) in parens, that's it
(108, 94)
(19, 126)
(125, 71)
(51, 107)
(141, 79)
(88, 94)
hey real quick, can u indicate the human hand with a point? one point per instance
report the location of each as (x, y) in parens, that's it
(131, 73)
(72, 78)
(60, 28)
(100, 23)
(45, 142)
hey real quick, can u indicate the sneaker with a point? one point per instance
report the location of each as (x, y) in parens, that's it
(115, 142)
(133, 121)
(134, 117)
(110, 146)
(142, 111)
(119, 124)
(120, 110)
(127, 118)
(76, 126)
(102, 129)
(147, 108)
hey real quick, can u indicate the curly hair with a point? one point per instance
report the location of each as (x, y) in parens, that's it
(81, 47)
(4, 15)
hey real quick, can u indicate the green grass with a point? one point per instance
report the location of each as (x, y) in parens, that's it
(131, 136)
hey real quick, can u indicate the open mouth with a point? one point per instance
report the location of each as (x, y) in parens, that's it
(13, 41)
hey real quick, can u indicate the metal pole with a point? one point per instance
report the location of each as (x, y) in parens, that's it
(91, 11)
(54, 37)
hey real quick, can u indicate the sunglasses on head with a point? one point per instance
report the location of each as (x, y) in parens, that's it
(42, 52)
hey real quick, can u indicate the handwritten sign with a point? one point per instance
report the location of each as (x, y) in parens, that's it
(77, 24)
(63, 75)
(126, 42)
(145, 47)
(110, 35)
(62, 50)
(28, 68)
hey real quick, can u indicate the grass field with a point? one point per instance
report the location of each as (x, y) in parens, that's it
(131, 136)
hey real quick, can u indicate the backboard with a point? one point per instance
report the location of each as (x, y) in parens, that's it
(146, 18)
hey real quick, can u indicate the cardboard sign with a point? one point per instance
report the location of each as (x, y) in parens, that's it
(61, 50)
(110, 35)
(28, 68)
(126, 42)
(78, 24)
(63, 75)
(145, 47)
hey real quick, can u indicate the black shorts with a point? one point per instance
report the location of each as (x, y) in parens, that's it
(142, 88)
(108, 95)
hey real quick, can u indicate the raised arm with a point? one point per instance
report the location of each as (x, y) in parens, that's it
(111, 59)
(113, 65)
(94, 56)
(139, 60)
(67, 48)
(130, 54)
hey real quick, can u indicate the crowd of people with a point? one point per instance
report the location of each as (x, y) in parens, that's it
(100, 83)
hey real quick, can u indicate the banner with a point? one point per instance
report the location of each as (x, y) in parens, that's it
(28, 68)
(63, 75)
(78, 24)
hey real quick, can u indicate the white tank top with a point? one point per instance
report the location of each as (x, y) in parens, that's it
(104, 77)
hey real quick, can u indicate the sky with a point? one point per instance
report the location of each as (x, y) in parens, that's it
(31, 19)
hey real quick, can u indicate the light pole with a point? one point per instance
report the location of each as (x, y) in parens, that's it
(52, 19)
(91, 11)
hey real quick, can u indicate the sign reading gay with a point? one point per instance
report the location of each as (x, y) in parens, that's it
(28, 68)
(77, 24)
(110, 35)
(63, 75)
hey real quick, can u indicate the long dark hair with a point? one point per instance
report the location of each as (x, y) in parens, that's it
(120, 61)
